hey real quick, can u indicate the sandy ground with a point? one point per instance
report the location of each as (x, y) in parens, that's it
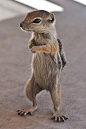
(15, 70)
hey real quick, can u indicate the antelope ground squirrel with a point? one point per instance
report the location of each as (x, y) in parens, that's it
(47, 63)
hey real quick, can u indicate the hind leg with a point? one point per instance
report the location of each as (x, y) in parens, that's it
(31, 89)
(56, 98)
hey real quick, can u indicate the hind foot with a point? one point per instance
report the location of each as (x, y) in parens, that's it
(58, 118)
(26, 111)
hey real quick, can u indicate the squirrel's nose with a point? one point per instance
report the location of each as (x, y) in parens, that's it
(21, 24)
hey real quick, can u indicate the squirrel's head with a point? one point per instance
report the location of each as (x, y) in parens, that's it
(38, 21)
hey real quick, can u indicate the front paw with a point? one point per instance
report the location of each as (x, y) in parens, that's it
(34, 49)
(31, 45)
(58, 117)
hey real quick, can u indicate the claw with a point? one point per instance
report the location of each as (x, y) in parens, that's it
(56, 119)
(52, 118)
(62, 119)
(22, 113)
(19, 113)
(59, 119)
(30, 113)
(65, 117)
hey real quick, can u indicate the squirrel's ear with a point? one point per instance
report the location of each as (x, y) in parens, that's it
(51, 17)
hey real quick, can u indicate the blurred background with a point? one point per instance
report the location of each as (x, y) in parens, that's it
(15, 65)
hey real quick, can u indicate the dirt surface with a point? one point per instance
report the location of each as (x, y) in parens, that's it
(15, 69)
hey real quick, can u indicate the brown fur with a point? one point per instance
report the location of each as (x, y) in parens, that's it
(45, 71)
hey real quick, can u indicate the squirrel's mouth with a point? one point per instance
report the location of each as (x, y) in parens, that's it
(26, 29)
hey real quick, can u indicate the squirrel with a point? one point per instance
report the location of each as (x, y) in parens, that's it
(47, 62)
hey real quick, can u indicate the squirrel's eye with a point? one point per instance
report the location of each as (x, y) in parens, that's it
(36, 20)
